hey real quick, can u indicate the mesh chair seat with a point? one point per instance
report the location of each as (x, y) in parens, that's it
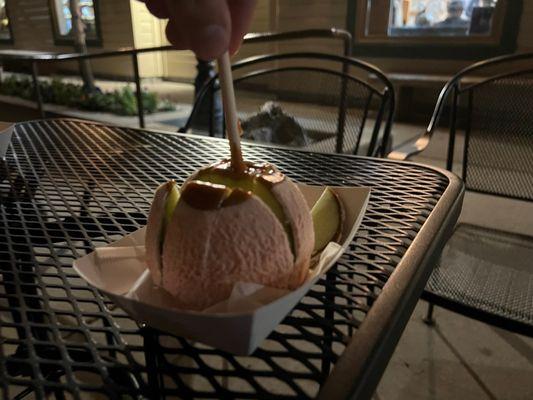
(487, 274)
(488, 271)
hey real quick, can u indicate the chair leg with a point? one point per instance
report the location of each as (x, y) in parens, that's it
(428, 319)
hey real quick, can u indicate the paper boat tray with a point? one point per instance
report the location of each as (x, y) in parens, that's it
(237, 325)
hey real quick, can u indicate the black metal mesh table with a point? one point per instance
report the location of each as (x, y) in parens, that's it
(69, 186)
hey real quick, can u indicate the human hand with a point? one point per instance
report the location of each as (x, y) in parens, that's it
(207, 27)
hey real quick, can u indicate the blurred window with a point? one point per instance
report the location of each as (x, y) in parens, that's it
(5, 28)
(63, 20)
(435, 29)
(441, 17)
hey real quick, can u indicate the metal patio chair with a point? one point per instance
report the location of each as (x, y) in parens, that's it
(316, 101)
(487, 274)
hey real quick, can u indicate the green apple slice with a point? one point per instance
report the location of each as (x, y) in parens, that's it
(173, 197)
(327, 214)
(165, 199)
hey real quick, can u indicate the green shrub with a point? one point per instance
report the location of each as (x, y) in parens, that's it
(97, 102)
(121, 101)
(20, 87)
(150, 102)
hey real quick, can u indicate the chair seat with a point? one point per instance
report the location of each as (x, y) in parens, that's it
(488, 275)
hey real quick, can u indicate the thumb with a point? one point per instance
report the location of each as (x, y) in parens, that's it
(202, 26)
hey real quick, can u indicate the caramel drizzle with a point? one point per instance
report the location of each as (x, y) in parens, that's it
(265, 172)
(209, 196)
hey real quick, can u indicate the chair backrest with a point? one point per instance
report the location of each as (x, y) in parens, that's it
(492, 103)
(316, 101)
(331, 34)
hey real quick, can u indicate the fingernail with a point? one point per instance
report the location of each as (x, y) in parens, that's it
(211, 42)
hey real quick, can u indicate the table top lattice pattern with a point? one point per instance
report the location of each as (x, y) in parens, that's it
(69, 186)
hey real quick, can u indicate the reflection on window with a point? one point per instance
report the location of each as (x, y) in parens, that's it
(441, 17)
(5, 32)
(64, 18)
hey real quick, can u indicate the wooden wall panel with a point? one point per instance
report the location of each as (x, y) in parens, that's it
(525, 34)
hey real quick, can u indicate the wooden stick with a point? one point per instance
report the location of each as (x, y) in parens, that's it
(230, 111)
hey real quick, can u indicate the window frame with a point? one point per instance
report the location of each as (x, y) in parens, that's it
(60, 40)
(11, 39)
(502, 39)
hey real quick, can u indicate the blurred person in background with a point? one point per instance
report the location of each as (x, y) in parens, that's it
(455, 16)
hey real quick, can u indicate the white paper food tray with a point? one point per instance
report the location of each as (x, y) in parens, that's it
(237, 325)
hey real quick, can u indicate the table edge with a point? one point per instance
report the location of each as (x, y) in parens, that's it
(360, 367)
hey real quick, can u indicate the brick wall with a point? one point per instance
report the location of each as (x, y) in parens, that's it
(525, 35)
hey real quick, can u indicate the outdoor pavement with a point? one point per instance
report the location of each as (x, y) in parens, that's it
(458, 358)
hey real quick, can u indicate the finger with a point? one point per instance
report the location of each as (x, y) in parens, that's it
(241, 12)
(175, 36)
(204, 25)
(157, 8)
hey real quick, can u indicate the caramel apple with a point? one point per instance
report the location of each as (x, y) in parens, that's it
(246, 225)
